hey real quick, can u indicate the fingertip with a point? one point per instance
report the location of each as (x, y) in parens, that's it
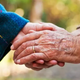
(17, 61)
(40, 61)
(12, 47)
(61, 64)
(53, 62)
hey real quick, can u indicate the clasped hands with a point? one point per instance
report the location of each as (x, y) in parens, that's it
(42, 45)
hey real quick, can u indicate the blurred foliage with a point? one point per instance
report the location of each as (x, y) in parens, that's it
(18, 1)
(64, 13)
(33, 79)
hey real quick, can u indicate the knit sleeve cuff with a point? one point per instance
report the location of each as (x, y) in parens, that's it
(10, 26)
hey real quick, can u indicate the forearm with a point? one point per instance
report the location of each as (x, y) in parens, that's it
(73, 47)
(77, 41)
(77, 44)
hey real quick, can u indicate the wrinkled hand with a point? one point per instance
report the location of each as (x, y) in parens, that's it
(38, 27)
(49, 45)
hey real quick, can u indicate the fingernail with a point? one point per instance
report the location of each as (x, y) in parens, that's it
(12, 47)
(18, 61)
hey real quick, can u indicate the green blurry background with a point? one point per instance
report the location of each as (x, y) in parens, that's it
(64, 13)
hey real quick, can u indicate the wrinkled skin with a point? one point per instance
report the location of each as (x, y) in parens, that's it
(57, 46)
(50, 45)
(39, 64)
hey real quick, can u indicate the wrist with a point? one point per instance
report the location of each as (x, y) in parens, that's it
(70, 50)
(76, 52)
(77, 44)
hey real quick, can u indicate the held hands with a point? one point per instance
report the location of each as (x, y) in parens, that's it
(37, 27)
(49, 45)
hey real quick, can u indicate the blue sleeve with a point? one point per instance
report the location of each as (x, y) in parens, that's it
(10, 26)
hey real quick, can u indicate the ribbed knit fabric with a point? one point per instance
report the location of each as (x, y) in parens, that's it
(10, 26)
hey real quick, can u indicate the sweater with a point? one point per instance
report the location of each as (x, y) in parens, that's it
(10, 26)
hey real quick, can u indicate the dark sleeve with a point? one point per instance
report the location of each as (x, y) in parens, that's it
(10, 26)
(6, 51)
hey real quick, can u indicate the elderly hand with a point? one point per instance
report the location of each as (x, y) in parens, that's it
(49, 45)
(38, 27)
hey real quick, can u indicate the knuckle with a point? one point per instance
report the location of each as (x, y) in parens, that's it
(23, 46)
(34, 56)
(28, 49)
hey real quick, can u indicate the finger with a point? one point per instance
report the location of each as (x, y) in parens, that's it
(35, 65)
(52, 62)
(31, 58)
(40, 61)
(27, 51)
(44, 26)
(36, 27)
(28, 37)
(30, 66)
(18, 36)
(39, 65)
(23, 47)
(61, 64)
(55, 27)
